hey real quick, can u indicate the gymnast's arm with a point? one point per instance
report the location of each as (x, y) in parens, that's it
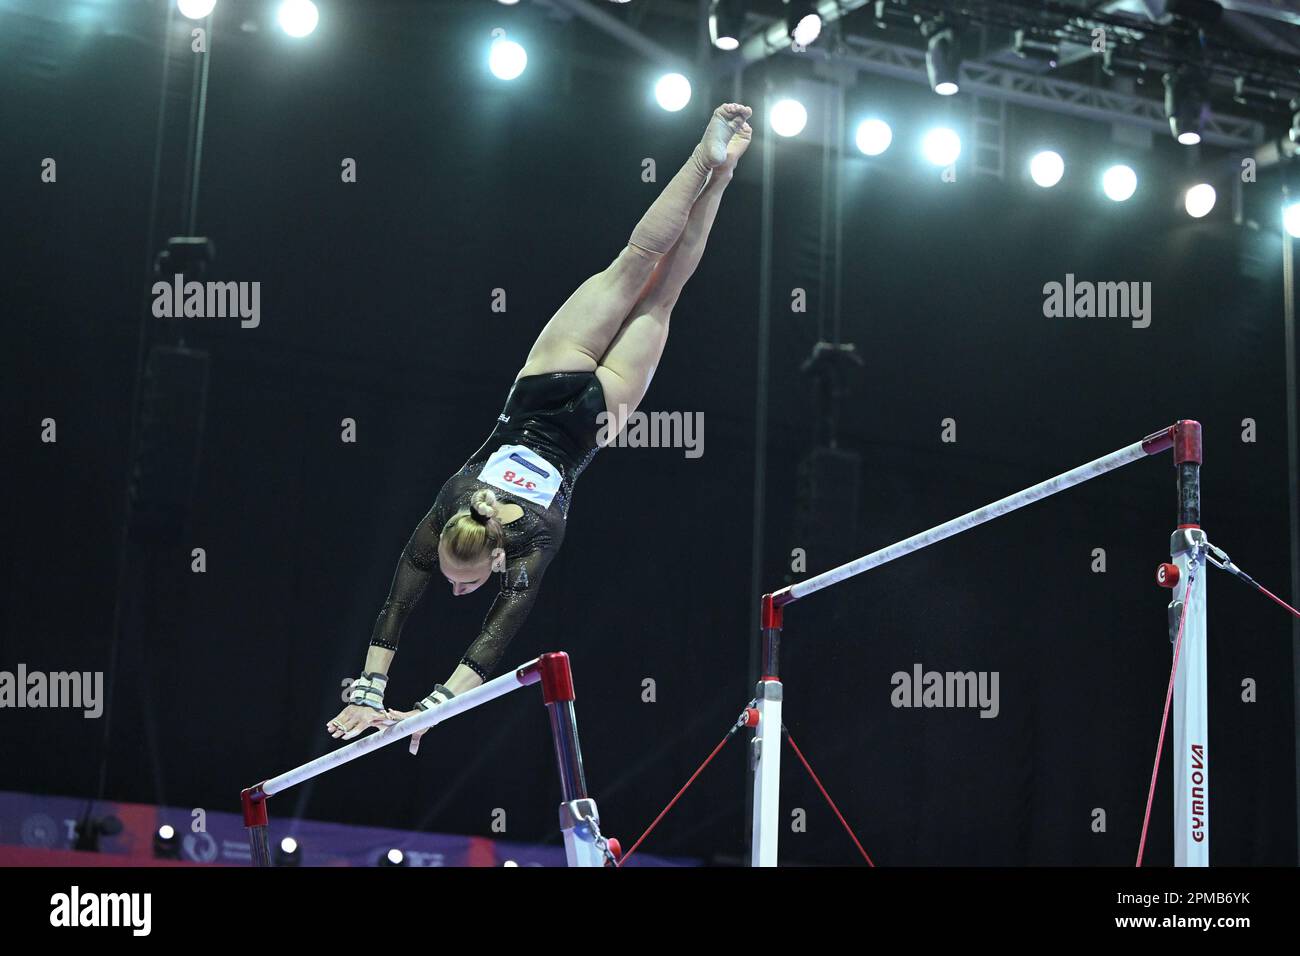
(366, 694)
(414, 568)
(519, 586)
(520, 583)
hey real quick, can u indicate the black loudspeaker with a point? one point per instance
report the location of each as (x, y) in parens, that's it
(173, 400)
(828, 487)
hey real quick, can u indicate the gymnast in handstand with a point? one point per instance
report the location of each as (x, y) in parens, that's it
(504, 512)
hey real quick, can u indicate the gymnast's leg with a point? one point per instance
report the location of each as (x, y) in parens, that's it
(629, 363)
(580, 333)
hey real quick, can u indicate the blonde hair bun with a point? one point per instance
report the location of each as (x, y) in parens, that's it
(484, 503)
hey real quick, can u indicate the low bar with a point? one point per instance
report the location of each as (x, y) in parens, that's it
(579, 818)
(497, 687)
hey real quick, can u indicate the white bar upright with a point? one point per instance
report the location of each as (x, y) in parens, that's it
(1190, 716)
(765, 765)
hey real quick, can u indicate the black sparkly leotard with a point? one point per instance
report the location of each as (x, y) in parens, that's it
(556, 416)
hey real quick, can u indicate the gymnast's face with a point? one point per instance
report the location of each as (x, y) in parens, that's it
(463, 578)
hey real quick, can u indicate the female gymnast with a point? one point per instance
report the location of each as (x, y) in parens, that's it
(505, 510)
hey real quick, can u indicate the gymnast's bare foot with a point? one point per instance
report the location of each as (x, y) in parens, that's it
(729, 121)
(736, 148)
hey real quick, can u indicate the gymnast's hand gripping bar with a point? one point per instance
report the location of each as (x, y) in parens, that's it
(578, 818)
(498, 687)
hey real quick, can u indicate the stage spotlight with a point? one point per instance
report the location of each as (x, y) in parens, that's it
(873, 136)
(298, 17)
(726, 21)
(1199, 200)
(195, 9)
(1291, 219)
(165, 844)
(788, 118)
(507, 3)
(1185, 105)
(1119, 182)
(942, 61)
(288, 853)
(673, 92)
(941, 146)
(506, 59)
(1047, 168)
(803, 22)
(393, 857)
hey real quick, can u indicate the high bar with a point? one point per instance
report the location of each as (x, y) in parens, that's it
(1184, 436)
(521, 676)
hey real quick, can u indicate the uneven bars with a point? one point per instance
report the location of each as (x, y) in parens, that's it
(521, 676)
(1151, 445)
